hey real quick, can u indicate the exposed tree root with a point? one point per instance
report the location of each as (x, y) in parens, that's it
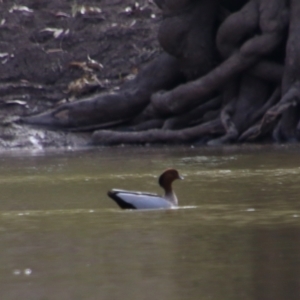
(193, 117)
(267, 123)
(110, 109)
(154, 136)
(286, 129)
(226, 78)
(272, 23)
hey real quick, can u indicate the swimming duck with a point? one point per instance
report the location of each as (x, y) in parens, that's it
(142, 200)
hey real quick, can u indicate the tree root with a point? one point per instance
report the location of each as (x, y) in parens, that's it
(109, 109)
(267, 123)
(193, 117)
(252, 93)
(286, 130)
(197, 133)
(272, 23)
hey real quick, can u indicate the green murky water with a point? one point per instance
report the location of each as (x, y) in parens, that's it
(236, 234)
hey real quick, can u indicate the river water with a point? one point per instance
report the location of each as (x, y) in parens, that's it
(236, 234)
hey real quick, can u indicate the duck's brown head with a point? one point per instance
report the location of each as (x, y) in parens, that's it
(167, 177)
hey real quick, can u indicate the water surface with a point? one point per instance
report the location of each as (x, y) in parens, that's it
(235, 235)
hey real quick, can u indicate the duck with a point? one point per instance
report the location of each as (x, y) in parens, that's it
(144, 200)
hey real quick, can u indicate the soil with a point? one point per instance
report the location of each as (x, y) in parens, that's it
(61, 50)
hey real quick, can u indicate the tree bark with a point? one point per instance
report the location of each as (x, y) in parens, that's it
(272, 24)
(228, 74)
(111, 109)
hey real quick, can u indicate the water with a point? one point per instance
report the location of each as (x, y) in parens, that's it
(235, 235)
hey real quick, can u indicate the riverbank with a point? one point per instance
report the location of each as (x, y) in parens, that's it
(57, 51)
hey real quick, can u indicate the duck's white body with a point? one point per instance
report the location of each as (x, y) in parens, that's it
(139, 200)
(143, 200)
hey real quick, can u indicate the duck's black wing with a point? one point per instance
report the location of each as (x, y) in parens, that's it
(138, 200)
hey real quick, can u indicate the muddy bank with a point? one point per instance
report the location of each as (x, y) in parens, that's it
(59, 51)
(227, 72)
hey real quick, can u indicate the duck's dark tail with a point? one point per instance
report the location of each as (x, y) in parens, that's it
(123, 204)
